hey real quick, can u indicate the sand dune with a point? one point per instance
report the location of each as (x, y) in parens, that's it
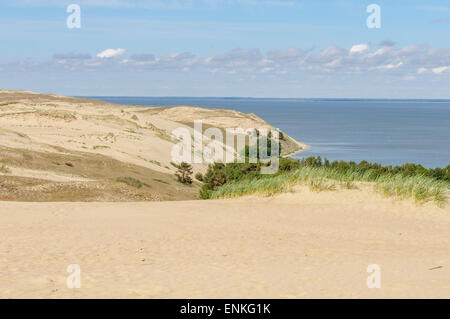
(86, 143)
(132, 242)
(299, 245)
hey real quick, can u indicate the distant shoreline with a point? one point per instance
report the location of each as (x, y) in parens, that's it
(386, 131)
(102, 97)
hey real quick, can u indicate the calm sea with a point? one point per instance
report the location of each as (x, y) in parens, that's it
(389, 132)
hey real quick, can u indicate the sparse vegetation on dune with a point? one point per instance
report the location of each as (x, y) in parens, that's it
(130, 181)
(99, 172)
(184, 173)
(4, 169)
(57, 114)
(159, 132)
(100, 147)
(111, 119)
(233, 180)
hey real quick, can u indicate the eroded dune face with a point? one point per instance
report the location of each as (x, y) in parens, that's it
(55, 148)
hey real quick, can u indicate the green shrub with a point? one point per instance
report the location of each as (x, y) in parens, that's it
(184, 173)
(376, 170)
(130, 181)
(219, 174)
(199, 177)
(406, 181)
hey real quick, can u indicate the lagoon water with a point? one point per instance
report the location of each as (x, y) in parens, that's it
(390, 132)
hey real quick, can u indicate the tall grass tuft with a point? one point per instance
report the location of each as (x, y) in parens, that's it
(420, 188)
(131, 181)
(4, 169)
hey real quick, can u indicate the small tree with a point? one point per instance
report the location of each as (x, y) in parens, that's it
(199, 177)
(184, 173)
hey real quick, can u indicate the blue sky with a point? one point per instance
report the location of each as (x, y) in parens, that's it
(263, 48)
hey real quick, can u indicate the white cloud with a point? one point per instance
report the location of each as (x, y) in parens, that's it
(402, 62)
(440, 69)
(236, 58)
(110, 53)
(334, 64)
(359, 48)
(382, 51)
(387, 43)
(390, 66)
(421, 70)
(285, 56)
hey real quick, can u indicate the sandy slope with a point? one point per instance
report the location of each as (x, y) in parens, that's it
(63, 144)
(297, 245)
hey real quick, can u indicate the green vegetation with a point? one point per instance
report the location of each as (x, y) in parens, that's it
(150, 161)
(111, 119)
(131, 130)
(184, 173)
(57, 114)
(159, 132)
(409, 180)
(255, 148)
(199, 177)
(130, 181)
(4, 169)
(97, 147)
(376, 170)
(155, 162)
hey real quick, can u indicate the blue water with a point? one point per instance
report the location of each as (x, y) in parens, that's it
(390, 132)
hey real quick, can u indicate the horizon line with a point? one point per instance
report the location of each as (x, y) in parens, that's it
(261, 98)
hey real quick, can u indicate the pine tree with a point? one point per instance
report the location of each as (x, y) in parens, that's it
(184, 173)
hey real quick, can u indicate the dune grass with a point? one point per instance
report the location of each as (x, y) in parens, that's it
(131, 181)
(4, 169)
(57, 114)
(420, 188)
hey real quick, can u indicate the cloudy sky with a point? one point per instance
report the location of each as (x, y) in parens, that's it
(259, 48)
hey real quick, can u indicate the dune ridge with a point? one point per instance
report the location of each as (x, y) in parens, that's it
(64, 144)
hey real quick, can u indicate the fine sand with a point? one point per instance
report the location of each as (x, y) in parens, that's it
(296, 245)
